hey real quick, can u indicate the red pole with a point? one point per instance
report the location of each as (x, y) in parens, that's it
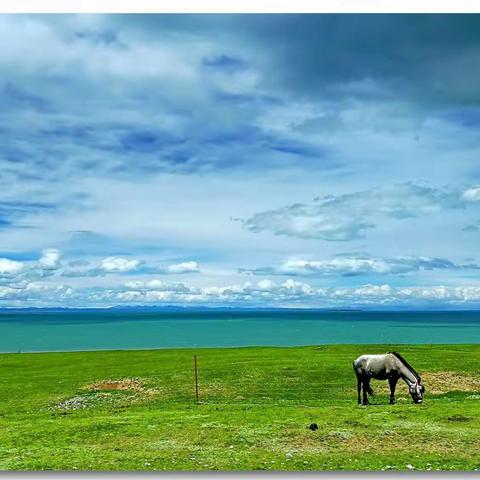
(196, 378)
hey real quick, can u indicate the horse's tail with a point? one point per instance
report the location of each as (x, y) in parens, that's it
(370, 391)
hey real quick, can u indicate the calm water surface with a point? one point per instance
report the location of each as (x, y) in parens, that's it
(63, 331)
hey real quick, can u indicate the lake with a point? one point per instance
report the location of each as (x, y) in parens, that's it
(93, 330)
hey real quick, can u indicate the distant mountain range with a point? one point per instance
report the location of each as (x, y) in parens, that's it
(166, 308)
(176, 308)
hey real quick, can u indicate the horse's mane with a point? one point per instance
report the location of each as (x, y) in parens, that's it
(406, 364)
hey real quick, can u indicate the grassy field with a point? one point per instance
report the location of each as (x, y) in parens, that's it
(135, 410)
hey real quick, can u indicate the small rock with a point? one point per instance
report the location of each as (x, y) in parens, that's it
(313, 427)
(410, 467)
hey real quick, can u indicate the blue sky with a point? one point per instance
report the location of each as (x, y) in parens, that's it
(247, 160)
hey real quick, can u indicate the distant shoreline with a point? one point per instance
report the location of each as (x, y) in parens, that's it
(199, 309)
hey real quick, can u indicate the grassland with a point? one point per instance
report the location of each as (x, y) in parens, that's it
(135, 410)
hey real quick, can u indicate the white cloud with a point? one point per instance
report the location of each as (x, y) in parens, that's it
(264, 293)
(43, 45)
(158, 285)
(118, 265)
(266, 284)
(347, 217)
(248, 293)
(10, 267)
(45, 266)
(350, 265)
(290, 293)
(35, 294)
(472, 194)
(184, 267)
(50, 259)
(113, 265)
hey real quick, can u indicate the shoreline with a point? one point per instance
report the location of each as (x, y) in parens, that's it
(238, 347)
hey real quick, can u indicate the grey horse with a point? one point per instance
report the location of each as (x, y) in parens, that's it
(390, 366)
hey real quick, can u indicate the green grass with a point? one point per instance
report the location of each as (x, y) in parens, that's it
(256, 405)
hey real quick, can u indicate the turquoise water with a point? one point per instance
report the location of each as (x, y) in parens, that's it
(63, 331)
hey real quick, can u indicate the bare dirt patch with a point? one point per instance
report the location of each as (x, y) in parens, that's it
(114, 393)
(437, 383)
(125, 384)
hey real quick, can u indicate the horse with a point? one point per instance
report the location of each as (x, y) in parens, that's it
(390, 366)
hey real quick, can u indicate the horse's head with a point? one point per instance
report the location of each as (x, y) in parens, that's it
(416, 391)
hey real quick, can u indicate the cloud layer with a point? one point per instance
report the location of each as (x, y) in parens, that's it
(167, 158)
(289, 293)
(359, 265)
(42, 283)
(347, 217)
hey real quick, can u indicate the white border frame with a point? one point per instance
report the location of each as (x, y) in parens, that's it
(236, 6)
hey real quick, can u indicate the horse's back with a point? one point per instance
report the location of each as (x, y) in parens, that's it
(369, 357)
(370, 363)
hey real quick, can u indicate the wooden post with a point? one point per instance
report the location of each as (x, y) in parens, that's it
(196, 379)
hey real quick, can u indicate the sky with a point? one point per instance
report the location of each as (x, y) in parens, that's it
(327, 161)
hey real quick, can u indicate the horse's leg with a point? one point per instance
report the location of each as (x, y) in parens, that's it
(366, 382)
(393, 383)
(359, 389)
